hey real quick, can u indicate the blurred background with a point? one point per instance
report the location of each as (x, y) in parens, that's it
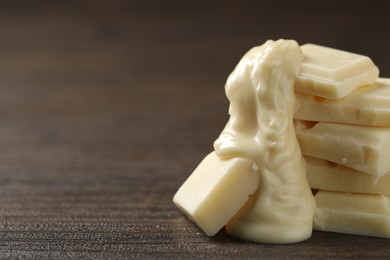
(69, 57)
(106, 107)
(166, 37)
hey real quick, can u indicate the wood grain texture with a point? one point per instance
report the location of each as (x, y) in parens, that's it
(107, 106)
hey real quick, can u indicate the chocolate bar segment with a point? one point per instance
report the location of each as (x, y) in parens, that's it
(369, 105)
(333, 73)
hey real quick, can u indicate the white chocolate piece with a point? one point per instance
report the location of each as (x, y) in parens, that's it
(261, 95)
(325, 175)
(216, 190)
(368, 105)
(352, 213)
(362, 148)
(333, 73)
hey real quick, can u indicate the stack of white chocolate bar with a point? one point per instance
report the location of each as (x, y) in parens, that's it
(342, 123)
(343, 127)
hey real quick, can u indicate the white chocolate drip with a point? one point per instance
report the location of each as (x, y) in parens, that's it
(260, 91)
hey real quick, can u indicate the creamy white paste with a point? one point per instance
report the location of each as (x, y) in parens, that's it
(261, 95)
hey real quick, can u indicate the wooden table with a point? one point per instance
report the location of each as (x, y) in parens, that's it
(107, 106)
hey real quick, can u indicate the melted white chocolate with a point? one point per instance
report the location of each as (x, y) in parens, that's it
(260, 91)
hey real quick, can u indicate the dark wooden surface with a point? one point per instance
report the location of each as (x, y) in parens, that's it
(107, 106)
